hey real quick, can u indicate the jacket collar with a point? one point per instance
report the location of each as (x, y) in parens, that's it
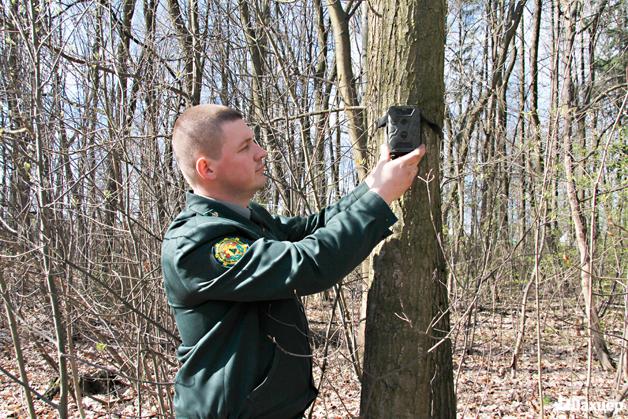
(208, 206)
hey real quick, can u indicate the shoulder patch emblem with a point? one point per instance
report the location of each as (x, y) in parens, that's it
(230, 250)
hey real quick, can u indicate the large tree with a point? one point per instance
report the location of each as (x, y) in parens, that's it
(407, 364)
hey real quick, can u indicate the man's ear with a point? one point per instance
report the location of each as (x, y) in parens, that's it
(205, 168)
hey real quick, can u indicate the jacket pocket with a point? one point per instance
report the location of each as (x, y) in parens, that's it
(265, 393)
(285, 392)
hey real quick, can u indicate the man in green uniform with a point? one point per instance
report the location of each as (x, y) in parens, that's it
(233, 273)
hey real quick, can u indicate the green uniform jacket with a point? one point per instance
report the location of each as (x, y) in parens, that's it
(245, 350)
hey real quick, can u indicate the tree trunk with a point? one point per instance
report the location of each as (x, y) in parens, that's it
(407, 360)
(17, 346)
(252, 24)
(536, 162)
(586, 265)
(346, 85)
(189, 38)
(44, 205)
(19, 184)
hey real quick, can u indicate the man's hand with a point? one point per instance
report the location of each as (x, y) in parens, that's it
(391, 178)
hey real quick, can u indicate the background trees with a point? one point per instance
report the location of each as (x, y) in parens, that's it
(533, 125)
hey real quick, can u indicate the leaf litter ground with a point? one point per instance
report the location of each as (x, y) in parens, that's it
(485, 386)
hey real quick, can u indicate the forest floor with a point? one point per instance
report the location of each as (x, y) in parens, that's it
(485, 387)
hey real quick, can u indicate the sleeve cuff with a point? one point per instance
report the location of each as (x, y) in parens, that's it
(379, 208)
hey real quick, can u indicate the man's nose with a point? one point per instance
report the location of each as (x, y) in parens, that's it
(261, 153)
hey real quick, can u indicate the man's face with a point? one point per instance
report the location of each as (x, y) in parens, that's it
(240, 168)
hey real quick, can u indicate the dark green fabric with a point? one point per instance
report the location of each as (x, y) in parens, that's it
(245, 350)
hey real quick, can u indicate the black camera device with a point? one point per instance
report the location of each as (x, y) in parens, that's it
(403, 129)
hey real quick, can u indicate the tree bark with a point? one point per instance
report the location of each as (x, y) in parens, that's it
(407, 360)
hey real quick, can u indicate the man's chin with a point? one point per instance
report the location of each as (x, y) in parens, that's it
(262, 183)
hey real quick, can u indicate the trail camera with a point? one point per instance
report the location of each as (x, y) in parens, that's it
(403, 129)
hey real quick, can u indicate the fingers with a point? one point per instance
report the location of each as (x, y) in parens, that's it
(413, 157)
(384, 152)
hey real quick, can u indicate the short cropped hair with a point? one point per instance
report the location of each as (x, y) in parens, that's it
(198, 132)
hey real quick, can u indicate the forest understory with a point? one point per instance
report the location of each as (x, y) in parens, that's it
(523, 188)
(485, 385)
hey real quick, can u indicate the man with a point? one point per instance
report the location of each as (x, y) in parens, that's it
(233, 272)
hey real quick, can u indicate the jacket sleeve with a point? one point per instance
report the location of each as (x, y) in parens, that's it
(274, 269)
(296, 228)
